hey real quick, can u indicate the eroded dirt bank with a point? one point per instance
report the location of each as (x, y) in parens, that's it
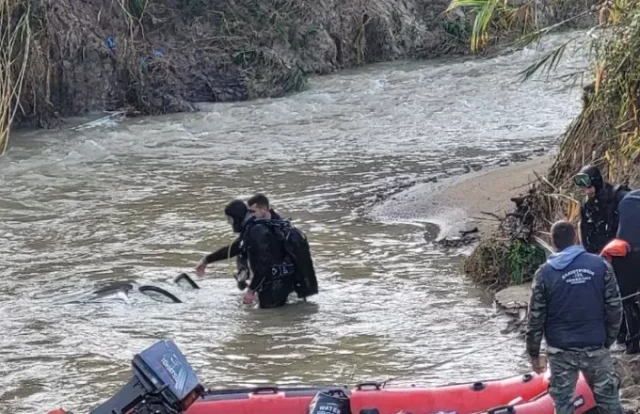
(158, 56)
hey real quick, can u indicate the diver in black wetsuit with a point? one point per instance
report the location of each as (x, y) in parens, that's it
(599, 212)
(259, 206)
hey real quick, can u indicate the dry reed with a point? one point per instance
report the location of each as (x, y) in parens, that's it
(15, 45)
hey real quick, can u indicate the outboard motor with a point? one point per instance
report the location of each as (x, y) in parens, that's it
(163, 382)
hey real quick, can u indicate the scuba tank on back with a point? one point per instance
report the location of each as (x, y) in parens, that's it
(297, 248)
(298, 255)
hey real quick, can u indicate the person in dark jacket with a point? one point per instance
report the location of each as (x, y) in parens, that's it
(260, 207)
(599, 212)
(624, 255)
(575, 304)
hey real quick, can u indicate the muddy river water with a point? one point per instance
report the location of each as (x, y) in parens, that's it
(141, 199)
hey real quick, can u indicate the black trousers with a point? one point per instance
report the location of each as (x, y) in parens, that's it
(627, 271)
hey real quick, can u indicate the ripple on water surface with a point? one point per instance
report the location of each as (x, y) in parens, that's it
(141, 200)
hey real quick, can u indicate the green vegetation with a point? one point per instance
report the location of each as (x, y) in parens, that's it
(511, 262)
(523, 259)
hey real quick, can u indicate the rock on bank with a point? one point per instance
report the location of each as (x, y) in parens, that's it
(158, 56)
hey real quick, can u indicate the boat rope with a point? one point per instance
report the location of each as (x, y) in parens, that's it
(630, 296)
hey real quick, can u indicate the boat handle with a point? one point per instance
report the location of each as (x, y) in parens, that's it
(527, 377)
(265, 390)
(376, 385)
(506, 409)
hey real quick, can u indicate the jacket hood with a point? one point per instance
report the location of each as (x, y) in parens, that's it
(564, 258)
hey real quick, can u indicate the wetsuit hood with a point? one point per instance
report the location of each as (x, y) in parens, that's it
(595, 175)
(238, 211)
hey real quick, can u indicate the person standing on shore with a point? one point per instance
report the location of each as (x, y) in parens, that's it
(575, 304)
(623, 253)
(599, 218)
(599, 212)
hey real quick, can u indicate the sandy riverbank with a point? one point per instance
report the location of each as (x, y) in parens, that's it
(462, 202)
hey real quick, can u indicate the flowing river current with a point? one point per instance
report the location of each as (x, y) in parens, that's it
(141, 199)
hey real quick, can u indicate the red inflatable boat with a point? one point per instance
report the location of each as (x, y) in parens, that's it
(525, 394)
(163, 382)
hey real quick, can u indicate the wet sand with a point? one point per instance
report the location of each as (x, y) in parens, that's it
(491, 191)
(462, 203)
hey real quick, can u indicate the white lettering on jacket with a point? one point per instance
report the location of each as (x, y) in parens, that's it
(578, 276)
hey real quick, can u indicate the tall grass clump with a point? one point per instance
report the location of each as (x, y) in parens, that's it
(15, 42)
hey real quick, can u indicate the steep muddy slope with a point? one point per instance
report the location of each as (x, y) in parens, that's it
(156, 56)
